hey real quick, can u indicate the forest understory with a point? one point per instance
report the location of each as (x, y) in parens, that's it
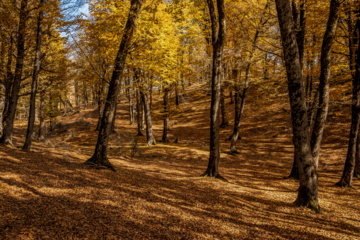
(157, 192)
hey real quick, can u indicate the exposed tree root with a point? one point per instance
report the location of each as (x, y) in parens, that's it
(99, 164)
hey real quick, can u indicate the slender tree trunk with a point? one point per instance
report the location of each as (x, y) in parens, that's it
(166, 113)
(218, 25)
(308, 190)
(77, 95)
(85, 95)
(231, 96)
(240, 111)
(10, 115)
(139, 113)
(357, 158)
(41, 135)
(99, 158)
(149, 131)
(348, 173)
(100, 103)
(324, 84)
(9, 79)
(224, 118)
(34, 84)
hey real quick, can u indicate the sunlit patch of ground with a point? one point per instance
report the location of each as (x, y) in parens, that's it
(157, 193)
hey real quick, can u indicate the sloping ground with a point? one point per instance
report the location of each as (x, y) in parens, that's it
(158, 194)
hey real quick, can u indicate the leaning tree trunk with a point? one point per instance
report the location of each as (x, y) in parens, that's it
(99, 159)
(218, 25)
(166, 113)
(150, 139)
(308, 190)
(348, 173)
(240, 111)
(34, 83)
(324, 85)
(10, 114)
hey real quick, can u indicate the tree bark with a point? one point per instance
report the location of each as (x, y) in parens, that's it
(218, 27)
(99, 159)
(150, 139)
(324, 84)
(224, 118)
(10, 115)
(308, 190)
(348, 173)
(41, 135)
(100, 103)
(34, 84)
(139, 113)
(8, 80)
(166, 113)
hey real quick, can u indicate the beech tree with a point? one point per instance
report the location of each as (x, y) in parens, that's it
(218, 30)
(99, 159)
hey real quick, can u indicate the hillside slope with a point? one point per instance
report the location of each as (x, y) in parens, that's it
(157, 193)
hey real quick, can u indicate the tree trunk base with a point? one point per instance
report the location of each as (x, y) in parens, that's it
(218, 176)
(343, 183)
(224, 125)
(304, 199)
(140, 134)
(102, 163)
(151, 142)
(6, 142)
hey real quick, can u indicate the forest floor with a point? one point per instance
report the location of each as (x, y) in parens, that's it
(158, 193)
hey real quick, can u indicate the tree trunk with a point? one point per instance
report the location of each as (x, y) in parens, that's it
(10, 115)
(348, 173)
(85, 96)
(218, 27)
(139, 113)
(41, 135)
(9, 79)
(324, 84)
(99, 159)
(224, 118)
(34, 84)
(357, 158)
(100, 103)
(77, 95)
(149, 131)
(308, 190)
(166, 113)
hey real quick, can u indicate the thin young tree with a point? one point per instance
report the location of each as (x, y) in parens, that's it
(100, 159)
(218, 28)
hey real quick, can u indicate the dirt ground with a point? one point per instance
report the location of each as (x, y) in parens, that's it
(157, 192)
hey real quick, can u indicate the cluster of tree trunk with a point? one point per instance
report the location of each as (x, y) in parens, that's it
(306, 142)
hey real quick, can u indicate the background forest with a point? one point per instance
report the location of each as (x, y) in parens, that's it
(214, 116)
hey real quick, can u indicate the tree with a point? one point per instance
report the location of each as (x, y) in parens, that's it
(218, 29)
(34, 85)
(99, 158)
(350, 163)
(308, 190)
(9, 116)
